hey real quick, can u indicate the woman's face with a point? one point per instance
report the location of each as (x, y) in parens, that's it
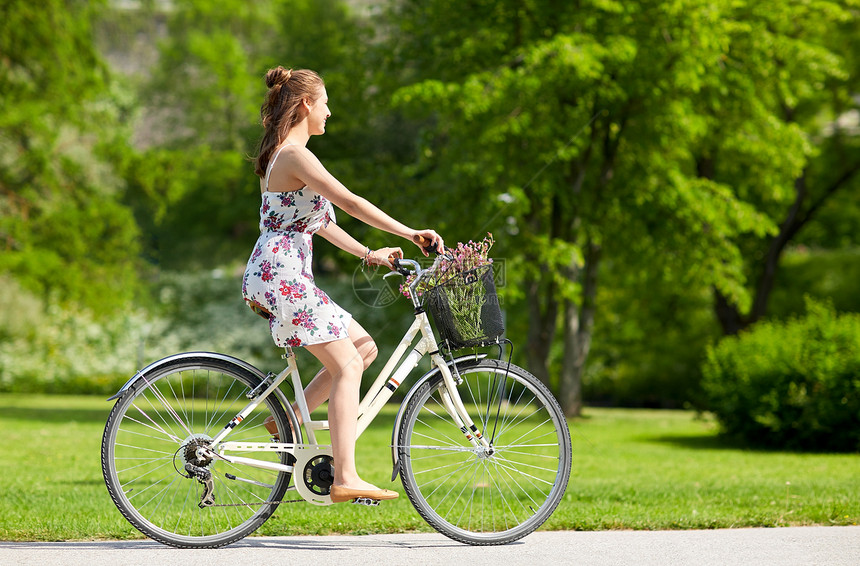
(319, 113)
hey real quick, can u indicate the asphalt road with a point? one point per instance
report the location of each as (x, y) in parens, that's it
(802, 546)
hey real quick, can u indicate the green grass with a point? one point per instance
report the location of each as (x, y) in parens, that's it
(632, 470)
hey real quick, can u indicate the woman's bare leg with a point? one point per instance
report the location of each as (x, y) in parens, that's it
(344, 361)
(345, 366)
(317, 391)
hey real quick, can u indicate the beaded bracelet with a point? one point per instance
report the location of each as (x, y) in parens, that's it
(364, 259)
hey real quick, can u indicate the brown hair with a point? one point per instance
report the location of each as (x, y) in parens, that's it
(281, 109)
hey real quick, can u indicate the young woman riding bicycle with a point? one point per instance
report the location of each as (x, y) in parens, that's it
(298, 194)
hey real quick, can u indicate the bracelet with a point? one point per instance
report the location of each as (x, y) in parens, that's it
(364, 259)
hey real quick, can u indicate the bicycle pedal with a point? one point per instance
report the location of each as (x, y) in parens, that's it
(366, 501)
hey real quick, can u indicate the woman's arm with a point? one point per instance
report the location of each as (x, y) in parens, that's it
(338, 236)
(304, 166)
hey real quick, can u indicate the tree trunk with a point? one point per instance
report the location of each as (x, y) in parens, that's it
(578, 327)
(542, 316)
(728, 314)
(731, 319)
(787, 230)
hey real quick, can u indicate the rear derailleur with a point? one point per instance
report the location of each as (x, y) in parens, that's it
(193, 453)
(203, 476)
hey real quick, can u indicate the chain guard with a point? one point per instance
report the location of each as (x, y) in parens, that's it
(313, 473)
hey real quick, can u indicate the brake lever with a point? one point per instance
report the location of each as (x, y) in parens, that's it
(398, 268)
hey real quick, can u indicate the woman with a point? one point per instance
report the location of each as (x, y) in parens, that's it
(298, 194)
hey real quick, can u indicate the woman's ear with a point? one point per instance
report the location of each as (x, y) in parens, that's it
(306, 104)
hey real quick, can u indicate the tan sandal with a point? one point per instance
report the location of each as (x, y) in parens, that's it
(340, 494)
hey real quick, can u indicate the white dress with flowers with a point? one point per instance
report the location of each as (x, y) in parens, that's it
(278, 283)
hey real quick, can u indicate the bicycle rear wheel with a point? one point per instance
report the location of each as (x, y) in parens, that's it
(477, 496)
(154, 430)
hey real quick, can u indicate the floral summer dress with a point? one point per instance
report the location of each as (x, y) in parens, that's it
(278, 283)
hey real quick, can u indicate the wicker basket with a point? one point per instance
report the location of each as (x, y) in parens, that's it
(466, 309)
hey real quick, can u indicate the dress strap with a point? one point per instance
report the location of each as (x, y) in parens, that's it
(272, 163)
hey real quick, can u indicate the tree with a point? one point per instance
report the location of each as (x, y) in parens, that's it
(202, 96)
(582, 125)
(204, 86)
(63, 232)
(797, 64)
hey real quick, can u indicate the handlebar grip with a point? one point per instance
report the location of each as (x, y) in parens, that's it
(433, 248)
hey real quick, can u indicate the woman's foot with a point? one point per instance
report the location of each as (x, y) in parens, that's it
(342, 494)
(272, 427)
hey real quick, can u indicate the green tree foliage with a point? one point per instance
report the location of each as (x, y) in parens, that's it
(195, 193)
(204, 82)
(585, 124)
(640, 163)
(779, 117)
(191, 205)
(63, 232)
(795, 66)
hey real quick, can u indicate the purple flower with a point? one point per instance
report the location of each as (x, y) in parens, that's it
(287, 199)
(265, 272)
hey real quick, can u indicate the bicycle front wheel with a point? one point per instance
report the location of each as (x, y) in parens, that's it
(155, 429)
(480, 496)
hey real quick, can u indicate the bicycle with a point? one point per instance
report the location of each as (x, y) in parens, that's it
(188, 462)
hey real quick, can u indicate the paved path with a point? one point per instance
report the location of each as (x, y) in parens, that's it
(802, 546)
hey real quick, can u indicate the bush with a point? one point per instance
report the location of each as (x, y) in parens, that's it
(792, 385)
(49, 348)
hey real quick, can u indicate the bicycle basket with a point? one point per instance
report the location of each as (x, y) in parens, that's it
(466, 309)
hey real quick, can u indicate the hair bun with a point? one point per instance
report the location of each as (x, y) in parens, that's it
(278, 76)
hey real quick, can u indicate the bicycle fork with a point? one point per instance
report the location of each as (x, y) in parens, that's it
(450, 396)
(453, 403)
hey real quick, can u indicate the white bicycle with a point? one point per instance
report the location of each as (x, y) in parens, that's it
(481, 446)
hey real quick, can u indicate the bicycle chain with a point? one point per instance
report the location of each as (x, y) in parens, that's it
(251, 504)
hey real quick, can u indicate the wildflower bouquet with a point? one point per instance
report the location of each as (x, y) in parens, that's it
(461, 295)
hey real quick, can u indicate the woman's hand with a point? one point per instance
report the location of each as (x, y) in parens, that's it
(383, 256)
(426, 238)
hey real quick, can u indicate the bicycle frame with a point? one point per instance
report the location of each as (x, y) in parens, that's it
(380, 392)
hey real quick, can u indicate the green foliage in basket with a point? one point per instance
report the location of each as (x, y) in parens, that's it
(466, 300)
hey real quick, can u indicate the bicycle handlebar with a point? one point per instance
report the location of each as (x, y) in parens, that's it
(399, 263)
(396, 262)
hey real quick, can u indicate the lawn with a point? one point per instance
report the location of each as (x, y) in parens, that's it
(631, 470)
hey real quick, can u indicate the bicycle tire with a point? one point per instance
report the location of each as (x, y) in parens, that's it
(144, 451)
(471, 495)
